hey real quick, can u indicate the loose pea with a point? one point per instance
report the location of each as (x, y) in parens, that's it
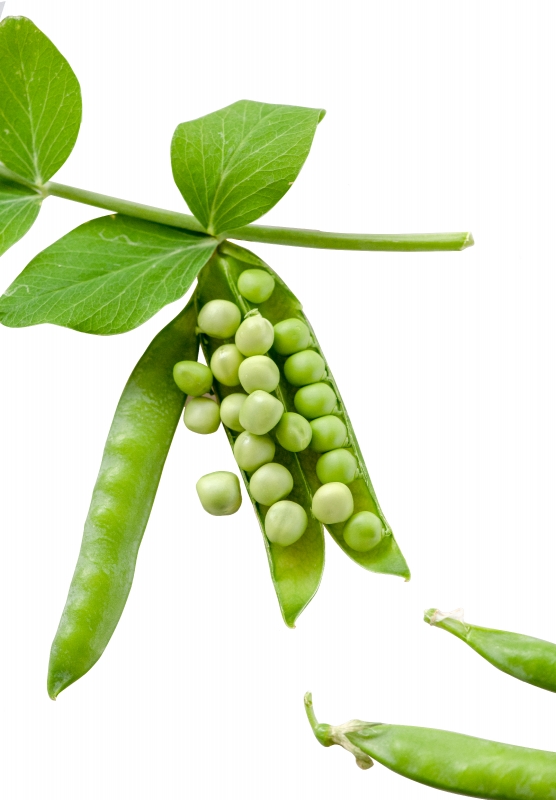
(291, 336)
(363, 531)
(255, 335)
(260, 412)
(255, 285)
(293, 432)
(219, 318)
(304, 367)
(225, 363)
(337, 465)
(252, 451)
(193, 378)
(315, 400)
(285, 522)
(202, 415)
(259, 372)
(332, 503)
(229, 411)
(329, 433)
(219, 493)
(271, 483)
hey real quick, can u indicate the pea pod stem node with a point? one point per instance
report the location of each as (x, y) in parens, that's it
(329, 735)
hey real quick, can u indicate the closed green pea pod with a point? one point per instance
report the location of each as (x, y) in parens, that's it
(293, 432)
(304, 368)
(193, 378)
(219, 318)
(316, 400)
(225, 364)
(255, 285)
(229, 411)
(329, 433)
(291, 336)
(202, 415)
(270, 483)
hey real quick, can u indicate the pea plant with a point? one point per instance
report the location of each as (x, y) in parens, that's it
(265, 377)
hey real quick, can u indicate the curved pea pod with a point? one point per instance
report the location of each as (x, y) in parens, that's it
(523, 657)
(134, 455)
(444, 760)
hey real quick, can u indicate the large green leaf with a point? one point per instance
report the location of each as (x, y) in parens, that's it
(40, 102)
(234, 165)
(18, 210)
(106, 276)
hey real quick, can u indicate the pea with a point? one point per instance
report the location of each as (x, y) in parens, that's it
(193, 378)
(332, 503)
(219, 318)
(290, 336)
(315, 400)
(219, 493)
(336, 465)
(285, 522)
(252, 451)
(202, 415)
(363, 531)
(255, 285)
(259, 372)
(293, 432)
(329, 433)
(255, 335)
(225, 363)
(270, 483)
(260, 412)
(304, 367)
(229, 411)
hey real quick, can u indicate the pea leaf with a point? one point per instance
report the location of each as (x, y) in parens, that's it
(106, 276)
(19, 208)
(232, 166)
(40, 102)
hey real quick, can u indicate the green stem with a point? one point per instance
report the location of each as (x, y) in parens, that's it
(296, 237)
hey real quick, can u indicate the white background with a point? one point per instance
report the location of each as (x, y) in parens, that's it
(440, 118)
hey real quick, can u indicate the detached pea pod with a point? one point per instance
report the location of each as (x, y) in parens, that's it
(453, 762)
(523, 657)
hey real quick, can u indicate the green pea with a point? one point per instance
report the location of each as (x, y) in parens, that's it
(219, 318)
(293, 432)
(252, 451)
(285, 522)
(259, 372)
(255, 285)
(315, 400)
(225, 364)
(202, 415)
(219, 493)
(260, 412)
(255, 335)
(337, 465)
(329, 433)
(291, 336)
(332, 503)
(229, 411)
(363, 531)
(193, 378)
(304, 367)
(270, 483)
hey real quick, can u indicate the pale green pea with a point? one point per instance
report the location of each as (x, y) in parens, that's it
(255, 285)
(219, 318)
(229, 411)
(259, 372)
(363, 531)
(290, 336)
(332, 503)
(260, 412)
(193, 378)
(219, 493)
(202, 415)
(329, 433)
(270, 483)
(255, 335)
(337, 465)
(304, 367)
(293, 432)
(225, 364)
(252, 451)
(285, 522)
(315, 400)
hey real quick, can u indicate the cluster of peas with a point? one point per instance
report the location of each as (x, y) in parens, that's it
(255, 412)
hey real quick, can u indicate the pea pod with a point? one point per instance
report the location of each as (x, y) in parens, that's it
(138, 442)
(523, 657)
(444, 760)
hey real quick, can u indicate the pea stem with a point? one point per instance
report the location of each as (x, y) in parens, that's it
(268, 234)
